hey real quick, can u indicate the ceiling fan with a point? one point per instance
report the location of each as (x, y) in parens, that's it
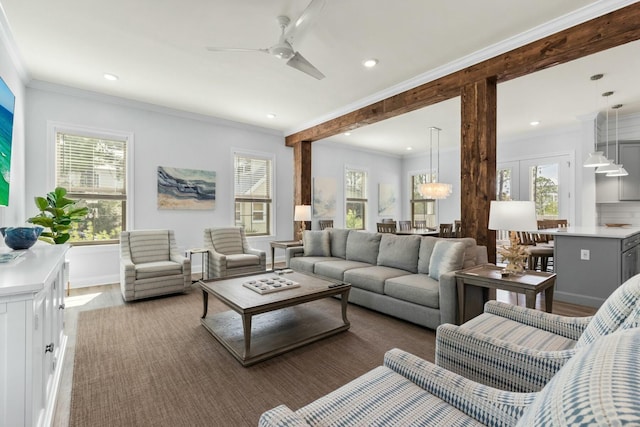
(283, 49)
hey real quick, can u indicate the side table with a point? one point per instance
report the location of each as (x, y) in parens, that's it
(282, 244)
(489, 277)
(204, 259)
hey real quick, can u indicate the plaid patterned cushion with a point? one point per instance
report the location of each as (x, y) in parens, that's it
(615, 311)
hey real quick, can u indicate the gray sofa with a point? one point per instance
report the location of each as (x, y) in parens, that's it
(409, 277)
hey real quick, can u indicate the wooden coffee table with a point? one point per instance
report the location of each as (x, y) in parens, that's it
(284, 320)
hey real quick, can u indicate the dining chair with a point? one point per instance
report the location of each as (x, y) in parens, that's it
(404, 225)
(457, 228)
(446, 230)
(419, 223)
(386, 227)
(325, 223)
(388, 220)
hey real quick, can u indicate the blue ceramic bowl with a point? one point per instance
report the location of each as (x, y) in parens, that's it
(20, 237)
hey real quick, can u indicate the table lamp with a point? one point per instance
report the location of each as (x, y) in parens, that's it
(302, 213)
(513, 216)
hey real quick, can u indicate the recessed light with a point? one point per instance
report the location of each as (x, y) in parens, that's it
(110, 77)
(271, 116)
(370, 63)
(534, 123)
(347, 133)
(409, 148)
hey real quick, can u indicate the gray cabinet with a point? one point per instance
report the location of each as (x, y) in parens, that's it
(626, 188)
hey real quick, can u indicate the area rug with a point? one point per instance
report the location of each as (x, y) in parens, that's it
(152, 363)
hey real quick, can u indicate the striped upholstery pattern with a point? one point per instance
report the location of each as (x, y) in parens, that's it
(519, 349)
(599, 386)
(230, 253)
(151, 264)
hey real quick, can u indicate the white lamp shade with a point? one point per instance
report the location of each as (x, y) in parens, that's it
(435, 190)
(513, 216)
(302, 213)
(611, 167)
(595, 159)
(619, 171)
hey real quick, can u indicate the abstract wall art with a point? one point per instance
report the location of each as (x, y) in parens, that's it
(386, 200)
(324, 197)
(7, 104)
(186, 188)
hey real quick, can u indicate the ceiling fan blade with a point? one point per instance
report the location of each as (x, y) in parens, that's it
(298, 62)
(235, 49)
(298, 27)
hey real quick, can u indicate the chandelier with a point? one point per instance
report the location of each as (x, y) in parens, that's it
(434, 189)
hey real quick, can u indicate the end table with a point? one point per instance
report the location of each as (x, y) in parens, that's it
(282, 244)
(489, 276)
(204, 259)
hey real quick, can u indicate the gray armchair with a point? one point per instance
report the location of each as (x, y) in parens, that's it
(230, 254)
(150, 264)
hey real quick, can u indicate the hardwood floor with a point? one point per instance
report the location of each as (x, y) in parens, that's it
(91, 298)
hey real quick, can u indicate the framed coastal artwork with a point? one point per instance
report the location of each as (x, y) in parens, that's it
(186, 188)
(324, 197)
(387, 200)
(7, 104)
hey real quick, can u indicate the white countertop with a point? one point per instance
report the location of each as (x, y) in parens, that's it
(29, 272)
(595, 231)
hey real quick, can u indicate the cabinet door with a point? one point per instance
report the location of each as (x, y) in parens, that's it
(630, 185)
(39, 376)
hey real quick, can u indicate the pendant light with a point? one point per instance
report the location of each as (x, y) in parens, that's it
(434, 189)
(620, 170)
(610, 166)
(596, 158)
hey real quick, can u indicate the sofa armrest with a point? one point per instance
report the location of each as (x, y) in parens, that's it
(487, 405)
(293, 252)
(281, 416)
(217, 264)
(448, 298)
(568, 327)
(495, 362)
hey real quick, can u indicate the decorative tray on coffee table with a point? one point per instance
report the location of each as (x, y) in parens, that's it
(269, 284)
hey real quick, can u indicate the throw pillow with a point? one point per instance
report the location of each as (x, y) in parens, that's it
(447, 256)
(316, 243)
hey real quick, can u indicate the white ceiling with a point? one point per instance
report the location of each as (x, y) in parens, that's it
(157, 48)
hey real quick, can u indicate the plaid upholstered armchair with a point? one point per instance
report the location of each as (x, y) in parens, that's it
(520, 349)
(150, 264)
(230, 254)
(598, 386)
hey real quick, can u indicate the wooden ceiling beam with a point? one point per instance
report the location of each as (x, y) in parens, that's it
(598, 34)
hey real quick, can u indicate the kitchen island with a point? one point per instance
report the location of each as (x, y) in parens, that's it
(591, 262)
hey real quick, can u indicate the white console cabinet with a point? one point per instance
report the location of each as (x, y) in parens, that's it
(32, 339)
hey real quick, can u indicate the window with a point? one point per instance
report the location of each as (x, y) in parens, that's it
(422, 209)
(356, 199)
(253, 193)
(93, 169)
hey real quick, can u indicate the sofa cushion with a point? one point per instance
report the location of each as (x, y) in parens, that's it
(399, 252)
(336, 269)
(470, 250)
(242, 260)
(371, 278)
(157, 269)
(338, 237)
(424, 256)
(316, 243)
(363, 246)
(306, 263)
(149, 246)
(447, 256)
(416, 288)
(227, 241)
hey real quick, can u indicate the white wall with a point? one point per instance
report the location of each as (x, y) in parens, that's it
(162, 137)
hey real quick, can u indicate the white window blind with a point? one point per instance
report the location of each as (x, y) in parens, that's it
(252, 178)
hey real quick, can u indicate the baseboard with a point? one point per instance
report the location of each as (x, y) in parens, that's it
(577, 299)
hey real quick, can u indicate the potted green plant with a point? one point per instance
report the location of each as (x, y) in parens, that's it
(57, 213)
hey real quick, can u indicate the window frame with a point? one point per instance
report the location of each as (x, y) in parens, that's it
(268, 213)
(53, 128)
(363, 201)
(414, 200)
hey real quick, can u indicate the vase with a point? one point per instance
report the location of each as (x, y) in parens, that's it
(20, 237)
